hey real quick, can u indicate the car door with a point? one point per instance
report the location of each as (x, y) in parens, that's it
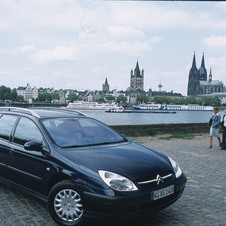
(27, 167)
(7, 123)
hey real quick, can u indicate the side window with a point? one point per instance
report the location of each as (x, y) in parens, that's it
(6, 124)
(26, 130)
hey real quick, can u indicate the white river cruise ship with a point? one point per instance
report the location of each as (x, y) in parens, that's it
(85, 105)
(191, 107)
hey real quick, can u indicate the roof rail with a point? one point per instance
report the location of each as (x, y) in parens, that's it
(22, 110)
(69, 111)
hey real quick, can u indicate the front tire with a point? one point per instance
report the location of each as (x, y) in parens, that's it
(65, 204)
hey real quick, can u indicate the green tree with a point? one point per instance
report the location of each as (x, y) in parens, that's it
(20, 98)
(110, 97)
(142, 98)
(45, 97)
(5, 93)
(14, 95)
(190, 100)
(187, 100)
(162, 100)
(72, 97)
(121, 99)
(55, 96)
(101, 100)
(209, 101)
(178, 101)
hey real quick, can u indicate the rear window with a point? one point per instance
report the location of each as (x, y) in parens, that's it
(6, 124)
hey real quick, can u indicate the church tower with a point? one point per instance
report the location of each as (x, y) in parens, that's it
(137, 79)
(193, 81)
(106, 86)
(202, 70)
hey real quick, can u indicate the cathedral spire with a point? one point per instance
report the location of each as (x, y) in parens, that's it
(202, 70)
(194, 61)
(210, 75)
(137, 66)
(106, 82)
(137, 70)
(203, 61)
(193, 80)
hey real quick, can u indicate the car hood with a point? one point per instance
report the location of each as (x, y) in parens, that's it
(128, 159)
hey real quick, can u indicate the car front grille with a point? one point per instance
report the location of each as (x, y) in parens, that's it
(155, 180)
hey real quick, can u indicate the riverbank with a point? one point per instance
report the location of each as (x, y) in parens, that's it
(156, 129)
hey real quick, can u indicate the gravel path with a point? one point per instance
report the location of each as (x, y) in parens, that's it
(202, 203)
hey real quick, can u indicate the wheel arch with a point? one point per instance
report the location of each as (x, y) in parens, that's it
(58, 178)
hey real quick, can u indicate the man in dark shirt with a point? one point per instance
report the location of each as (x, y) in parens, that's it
(223, 147)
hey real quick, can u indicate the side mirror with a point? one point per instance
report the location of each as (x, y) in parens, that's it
(33, 146)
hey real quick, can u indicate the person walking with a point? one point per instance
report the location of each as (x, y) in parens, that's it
(215, 127)
(223, 146)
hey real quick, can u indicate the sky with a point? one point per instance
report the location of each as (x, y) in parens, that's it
(76, 44)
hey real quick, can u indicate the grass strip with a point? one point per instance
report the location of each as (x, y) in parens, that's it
(186, 136)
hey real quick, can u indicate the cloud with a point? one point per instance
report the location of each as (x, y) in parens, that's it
(98, 70)
(51, 33)
(155, 39)
(76, 52)
(125, 32)
(22, 49)
(167, 16)
(215, 42)
(131, 48)
(59, 53)
(40, 13)
(121, 19)
(218, 62)
(134, 15)
(222, 5)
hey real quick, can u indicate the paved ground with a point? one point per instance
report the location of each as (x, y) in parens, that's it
(202, 203)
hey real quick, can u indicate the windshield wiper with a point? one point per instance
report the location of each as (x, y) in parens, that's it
(86, 145)
(110, 142)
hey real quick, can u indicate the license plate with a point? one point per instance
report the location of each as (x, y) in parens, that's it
(161, 193)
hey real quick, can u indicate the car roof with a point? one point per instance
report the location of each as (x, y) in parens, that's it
(44, 112)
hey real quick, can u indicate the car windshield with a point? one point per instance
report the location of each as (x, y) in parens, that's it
(79, 132)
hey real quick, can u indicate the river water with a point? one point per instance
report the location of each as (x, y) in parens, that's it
(149, 118)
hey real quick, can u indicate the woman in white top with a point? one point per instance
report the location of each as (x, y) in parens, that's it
(215, 127)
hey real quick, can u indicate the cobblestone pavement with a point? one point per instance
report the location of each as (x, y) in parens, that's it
(202, 203)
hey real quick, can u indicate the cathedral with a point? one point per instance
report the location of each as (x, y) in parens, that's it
(198, 84)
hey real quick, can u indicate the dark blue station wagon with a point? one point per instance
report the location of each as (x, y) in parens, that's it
(81, 167)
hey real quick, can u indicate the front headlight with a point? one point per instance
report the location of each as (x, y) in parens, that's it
(176, 168)
(117, 182)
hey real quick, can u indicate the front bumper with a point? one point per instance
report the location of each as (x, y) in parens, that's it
(134, 205)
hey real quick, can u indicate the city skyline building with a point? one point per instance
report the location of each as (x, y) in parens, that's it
(136, 84)
(137, 79)
(27, 92)
(105, 86)
(198, 84)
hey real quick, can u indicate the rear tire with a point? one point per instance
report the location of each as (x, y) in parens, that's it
(65, 204)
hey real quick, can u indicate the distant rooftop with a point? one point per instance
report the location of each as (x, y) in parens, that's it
(212, 83)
